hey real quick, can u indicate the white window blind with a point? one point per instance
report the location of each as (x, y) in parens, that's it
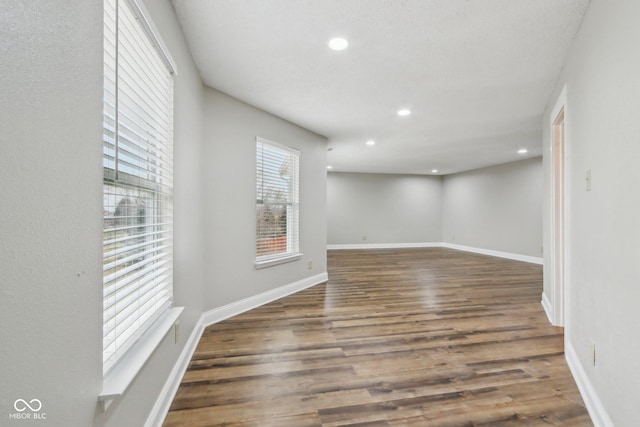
(277, 200)
(138, 180)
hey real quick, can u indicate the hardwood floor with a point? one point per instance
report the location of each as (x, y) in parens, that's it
(415, 337)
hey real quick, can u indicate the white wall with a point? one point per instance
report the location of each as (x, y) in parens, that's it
(383, 208)
(229, 164)
(497, 208)
(51, 213)
(603, 130)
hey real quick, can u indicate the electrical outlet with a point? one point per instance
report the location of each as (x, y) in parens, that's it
(310, 265)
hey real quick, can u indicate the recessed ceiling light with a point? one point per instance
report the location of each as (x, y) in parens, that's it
(522, 151)
(404, 112)
(338, 44)
(434, 171)
(371, 142)
(329, 167)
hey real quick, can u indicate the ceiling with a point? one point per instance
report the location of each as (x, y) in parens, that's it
(476, 74)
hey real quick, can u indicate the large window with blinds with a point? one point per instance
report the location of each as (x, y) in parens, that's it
(277, 203)
(138, 179)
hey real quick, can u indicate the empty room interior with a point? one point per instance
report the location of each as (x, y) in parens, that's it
(320, 213)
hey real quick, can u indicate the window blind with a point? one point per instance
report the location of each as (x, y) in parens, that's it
(138, 180)
(277, 200)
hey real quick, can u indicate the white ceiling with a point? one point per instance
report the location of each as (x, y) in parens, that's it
(476, 74)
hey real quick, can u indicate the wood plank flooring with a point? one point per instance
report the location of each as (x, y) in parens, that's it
(411, 337)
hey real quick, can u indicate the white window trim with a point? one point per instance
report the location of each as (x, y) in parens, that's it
(123, 373)
(265, 262)
(282, 258)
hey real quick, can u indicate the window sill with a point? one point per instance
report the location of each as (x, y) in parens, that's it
(276, 260)
(118, 379)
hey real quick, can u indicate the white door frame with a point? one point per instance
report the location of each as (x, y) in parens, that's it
(559, 209)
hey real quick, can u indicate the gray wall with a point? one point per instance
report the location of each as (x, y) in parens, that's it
(602, 130)
(383, 208)
(229, 160)
(50, 214)
(497, 208)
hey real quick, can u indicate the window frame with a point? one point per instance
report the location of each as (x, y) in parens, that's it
(156, 185)
(293, 251)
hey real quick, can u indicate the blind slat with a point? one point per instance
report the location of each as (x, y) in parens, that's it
(150, 282)
(122, 277)
(132, 298)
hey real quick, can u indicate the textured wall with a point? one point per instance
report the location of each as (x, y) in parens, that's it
(51, 208)
(51, 76)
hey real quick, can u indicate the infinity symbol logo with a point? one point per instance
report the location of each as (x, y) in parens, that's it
(21, 403)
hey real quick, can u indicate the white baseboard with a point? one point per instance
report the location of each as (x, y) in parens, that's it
(593, 403)
(168, 392)
(508, 255)
(546, 305)
(385, 246)
(221, 313)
